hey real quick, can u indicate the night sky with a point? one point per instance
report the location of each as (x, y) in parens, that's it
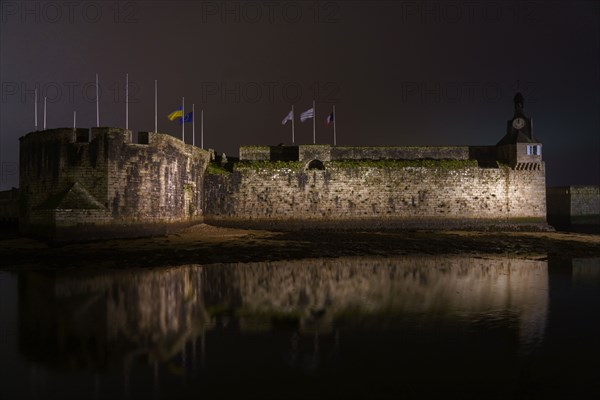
(398, 72)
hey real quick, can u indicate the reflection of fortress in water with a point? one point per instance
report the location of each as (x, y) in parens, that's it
(100, 319)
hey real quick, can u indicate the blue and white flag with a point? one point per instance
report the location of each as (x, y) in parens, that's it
(288, 117)
(310, 113)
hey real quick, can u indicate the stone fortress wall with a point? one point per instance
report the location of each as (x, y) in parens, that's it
(76, 183)
(97, 183)
(574, 205)
(377, 187)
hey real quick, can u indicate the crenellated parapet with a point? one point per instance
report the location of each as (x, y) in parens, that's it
(338, 153)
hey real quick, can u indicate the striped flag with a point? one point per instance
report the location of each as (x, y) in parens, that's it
(310, 113)
(288, 117)
(329, 119)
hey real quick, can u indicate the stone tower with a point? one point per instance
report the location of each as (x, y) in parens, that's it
(519, 148)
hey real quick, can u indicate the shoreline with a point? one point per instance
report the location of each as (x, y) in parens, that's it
(206, 244)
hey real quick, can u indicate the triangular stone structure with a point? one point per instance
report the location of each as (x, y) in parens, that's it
(76, 197)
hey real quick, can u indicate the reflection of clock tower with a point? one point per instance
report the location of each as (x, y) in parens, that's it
(519, 148)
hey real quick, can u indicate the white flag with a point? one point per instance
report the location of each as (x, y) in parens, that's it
(288, 117)
(310, 113)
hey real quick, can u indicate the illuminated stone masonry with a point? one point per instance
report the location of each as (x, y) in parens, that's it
(90, 184)
(322, 186)
(377, 193)
(79, 184)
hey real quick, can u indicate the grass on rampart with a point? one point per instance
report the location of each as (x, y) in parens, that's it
(265, 166)
(422, 163)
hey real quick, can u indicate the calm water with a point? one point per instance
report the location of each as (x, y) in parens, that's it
(398, 328)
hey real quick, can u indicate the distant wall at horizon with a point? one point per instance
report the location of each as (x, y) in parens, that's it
(574, 205)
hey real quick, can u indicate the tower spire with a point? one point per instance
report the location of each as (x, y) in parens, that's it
(519, 101)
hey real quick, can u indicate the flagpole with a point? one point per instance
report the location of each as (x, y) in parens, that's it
(314, 123)
(44, 112)
(155, 105)
(193, 127)
(126, 101)
(183, 119)
(334, 120)
(202, 129)
(293, 117)
(97, 104)
(36, 101)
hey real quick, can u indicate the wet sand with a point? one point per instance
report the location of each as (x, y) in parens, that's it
(204, 244)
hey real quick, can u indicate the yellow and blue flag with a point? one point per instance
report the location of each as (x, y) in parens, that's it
(175, 114)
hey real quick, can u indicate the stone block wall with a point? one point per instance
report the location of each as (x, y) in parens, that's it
(314, 152)
(137, 189)
(374, 194)
(52, 160)
(400, 153)
(523, 157)
(574, 205)
(157, 182)
(585, 200)
(515, 154)
(329, 153)
(255, 153)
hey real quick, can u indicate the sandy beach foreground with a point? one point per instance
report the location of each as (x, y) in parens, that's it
(204, 244)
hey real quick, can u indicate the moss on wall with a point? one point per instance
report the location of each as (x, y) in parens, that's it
(445, 164)
(297, 166)
(217, 169)
(269, 166)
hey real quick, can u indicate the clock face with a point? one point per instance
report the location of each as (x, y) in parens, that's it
(518, 123)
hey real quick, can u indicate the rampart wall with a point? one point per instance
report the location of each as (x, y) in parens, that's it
(331, 153)
(108, 186)
(376, 194)
(574, 205)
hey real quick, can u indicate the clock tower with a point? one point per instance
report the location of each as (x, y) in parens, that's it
(519, 124)
(519, 148)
